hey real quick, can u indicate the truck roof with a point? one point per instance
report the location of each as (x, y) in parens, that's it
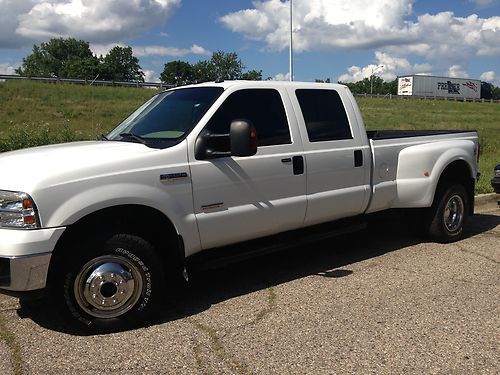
(268, 84)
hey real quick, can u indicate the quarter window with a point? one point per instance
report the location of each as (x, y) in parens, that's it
(263, 107)
(324, 115)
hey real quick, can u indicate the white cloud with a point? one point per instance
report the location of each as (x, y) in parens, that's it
(456, 71)
(195, 49)
(322, 23)
(28, 21)
(360, 24)
(150, 76)
(490, 77)
(281, 77)
(103, 49)
(387, 67)
(482, 3)
(8, 69)
(142, 51)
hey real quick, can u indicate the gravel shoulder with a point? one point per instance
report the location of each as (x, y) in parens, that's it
(379, 301)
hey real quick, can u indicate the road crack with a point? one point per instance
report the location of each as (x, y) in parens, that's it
(216, 344)
(217, 347)
(464, 250)
(15, 350)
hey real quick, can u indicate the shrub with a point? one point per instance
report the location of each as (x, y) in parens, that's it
(30, 135)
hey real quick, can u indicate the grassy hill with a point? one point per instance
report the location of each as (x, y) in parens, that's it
(33, 113)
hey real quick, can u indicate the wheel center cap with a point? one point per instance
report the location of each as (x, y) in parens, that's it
(108, 289)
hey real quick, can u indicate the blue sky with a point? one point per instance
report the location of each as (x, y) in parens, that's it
(334, 39)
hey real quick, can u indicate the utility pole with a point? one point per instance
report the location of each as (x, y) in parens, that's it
(291, 41)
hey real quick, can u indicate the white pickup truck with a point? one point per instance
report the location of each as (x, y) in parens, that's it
(103, 224)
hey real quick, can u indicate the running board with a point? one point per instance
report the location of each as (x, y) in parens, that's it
(223, 256)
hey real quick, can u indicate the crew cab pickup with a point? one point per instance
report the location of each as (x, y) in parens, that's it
(104, 225)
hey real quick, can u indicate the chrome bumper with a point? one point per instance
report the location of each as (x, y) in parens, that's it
(24, 273)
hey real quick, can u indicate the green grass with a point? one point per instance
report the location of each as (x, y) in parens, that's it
(34, 113)
(85, 110)
(384, 113)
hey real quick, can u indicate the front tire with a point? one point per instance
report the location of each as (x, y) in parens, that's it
(448, 214)
(112, 284)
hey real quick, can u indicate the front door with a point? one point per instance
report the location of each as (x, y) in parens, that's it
(240, 198)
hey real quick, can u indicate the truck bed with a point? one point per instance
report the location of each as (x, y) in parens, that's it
(391, 134)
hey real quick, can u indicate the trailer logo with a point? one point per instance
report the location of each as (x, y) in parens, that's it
(471, 85)
(453, 88)
(405, 82)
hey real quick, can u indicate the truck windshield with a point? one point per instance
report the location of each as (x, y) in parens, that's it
(167, 117)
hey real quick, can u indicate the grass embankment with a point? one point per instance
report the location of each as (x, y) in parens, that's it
(34, 113)
(383, 113)
(60, 112)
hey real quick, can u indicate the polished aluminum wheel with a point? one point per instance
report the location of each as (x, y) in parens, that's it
(108, 286)
(454, 213)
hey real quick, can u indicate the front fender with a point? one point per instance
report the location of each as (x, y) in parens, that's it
(173, 200)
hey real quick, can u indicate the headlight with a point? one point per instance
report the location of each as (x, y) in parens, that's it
(497, 172)
(17, 210)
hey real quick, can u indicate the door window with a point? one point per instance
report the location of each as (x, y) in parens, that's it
(324, 115)
(263, 107)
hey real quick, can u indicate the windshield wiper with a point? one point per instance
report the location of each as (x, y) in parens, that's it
(102, 137)
(133, 136)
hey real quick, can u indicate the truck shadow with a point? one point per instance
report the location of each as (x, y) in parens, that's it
(327, 258)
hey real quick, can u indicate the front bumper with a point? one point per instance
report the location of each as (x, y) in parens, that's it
(495, 183)
(24, 273)
(25, 257)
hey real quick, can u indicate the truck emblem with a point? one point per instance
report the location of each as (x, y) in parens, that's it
(173, 176)
(212, 206)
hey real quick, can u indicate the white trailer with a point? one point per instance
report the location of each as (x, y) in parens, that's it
(439, 87)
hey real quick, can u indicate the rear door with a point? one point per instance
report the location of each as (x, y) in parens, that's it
(240, 198)
(338, 162)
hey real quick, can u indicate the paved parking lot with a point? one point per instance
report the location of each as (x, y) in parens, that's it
(379, 301)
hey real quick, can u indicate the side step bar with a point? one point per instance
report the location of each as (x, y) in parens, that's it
(222, 256)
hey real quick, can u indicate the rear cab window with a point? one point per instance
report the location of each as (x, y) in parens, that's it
(324, 115)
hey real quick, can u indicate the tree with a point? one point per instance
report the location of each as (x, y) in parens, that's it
(252, 75)
(226, 66)
(121, 65)
(62, 58)
(203, 71)
(221, 66)
(177, 73)
(379, 86)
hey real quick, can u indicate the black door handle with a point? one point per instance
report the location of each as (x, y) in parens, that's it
(298, 165)
(358, 158)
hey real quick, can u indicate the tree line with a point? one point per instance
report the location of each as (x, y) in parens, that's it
(71, 58)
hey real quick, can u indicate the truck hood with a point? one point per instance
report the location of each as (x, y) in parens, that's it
(25, 170)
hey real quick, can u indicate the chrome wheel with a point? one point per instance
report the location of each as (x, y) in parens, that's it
(108, 286)
(453, 213)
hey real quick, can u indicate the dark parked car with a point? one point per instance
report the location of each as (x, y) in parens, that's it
(495, 182)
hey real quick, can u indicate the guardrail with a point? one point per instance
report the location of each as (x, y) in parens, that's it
(419, 97)
(161, 86)
(157, 85)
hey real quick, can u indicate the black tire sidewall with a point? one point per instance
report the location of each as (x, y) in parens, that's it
(135, 250)
(438, 230)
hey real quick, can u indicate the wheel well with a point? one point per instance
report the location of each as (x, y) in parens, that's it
(459, 172)
(146, 222)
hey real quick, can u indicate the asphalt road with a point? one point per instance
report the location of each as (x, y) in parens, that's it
(380, 301)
